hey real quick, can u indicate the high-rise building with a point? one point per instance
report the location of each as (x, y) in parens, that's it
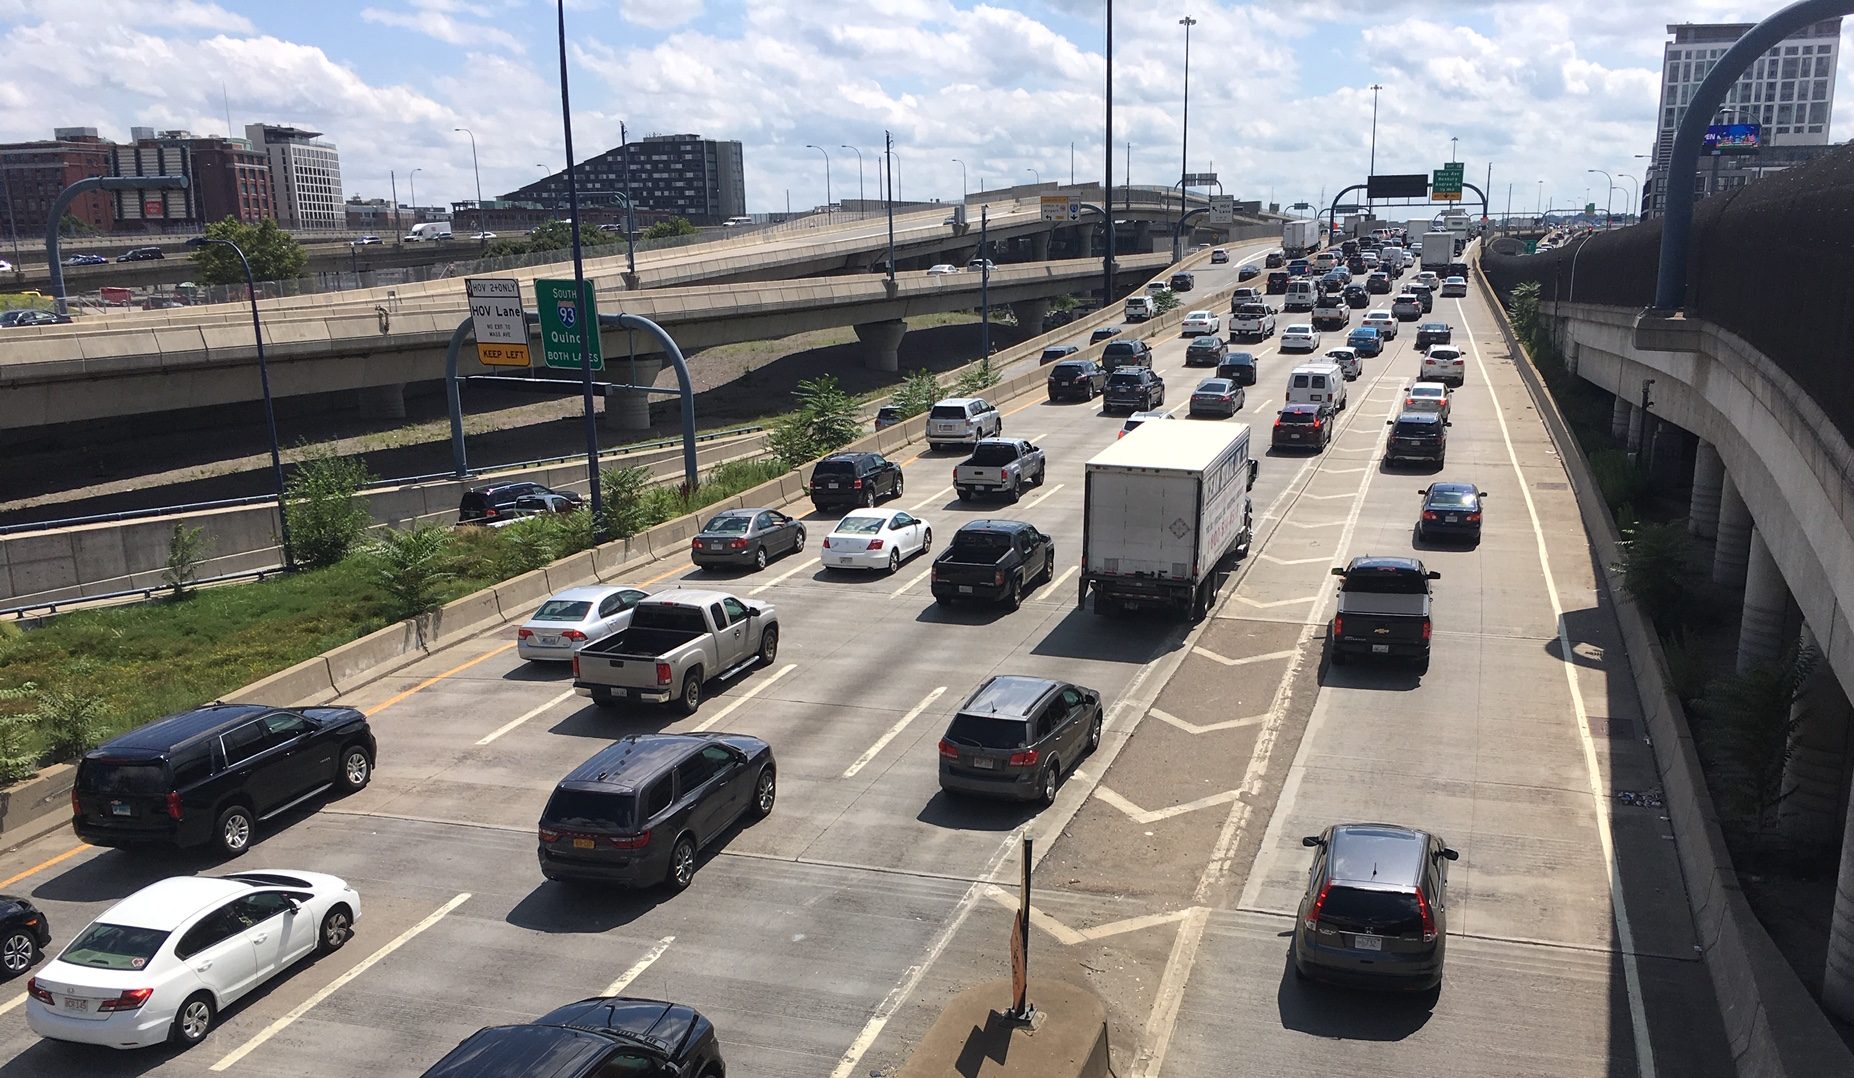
(305, 176)
(681, 175)
(32, 174)
(1789, 92)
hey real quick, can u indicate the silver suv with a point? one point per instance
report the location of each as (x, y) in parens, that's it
(962, 420)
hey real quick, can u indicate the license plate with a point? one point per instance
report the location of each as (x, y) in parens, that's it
(1368, 943)
(1453, 518)
(965, 589)
(832, 486)
(621, 692)
(119, 808)
(582, 844)
(1380, 649)
(550, 641)
(984, 763)
(715, 544)
(75, 1003)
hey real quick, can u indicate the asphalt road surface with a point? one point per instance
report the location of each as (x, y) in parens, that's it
(823, 940)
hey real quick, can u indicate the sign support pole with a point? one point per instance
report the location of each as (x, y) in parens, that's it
(1022, 1011)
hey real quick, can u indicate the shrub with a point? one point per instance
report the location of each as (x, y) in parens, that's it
(917, 393)
(624, 490)
(1166, 300)
(524, 545)
(71, 711)
(1654, 571)
(1754, 711)
(824, 422)
(1617, 477)
(186, 549)
(17, 759)
(327, 518)
(1687, 671)
(734, 476)
(1523, 310)
(976, 379)
(410, 565)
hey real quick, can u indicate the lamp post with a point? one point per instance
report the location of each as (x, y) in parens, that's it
(1608, 201)
(1539, 210)
(1372, 169)
(1038, 175)
(270, 414)
(826, 154)
(399, 236)
(1184, 139)
(859, 175)
(630, 224)
(888, 152)
(12, 223)
(589, 325)
(962, 179)
(1107, 169)
(1635, 193)
(412, 178)
(482, 239)
(1451, 148)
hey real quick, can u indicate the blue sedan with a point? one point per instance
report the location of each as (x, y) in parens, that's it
(1366, 341)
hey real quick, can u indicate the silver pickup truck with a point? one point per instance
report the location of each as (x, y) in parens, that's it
(999, 466)
(677, 642)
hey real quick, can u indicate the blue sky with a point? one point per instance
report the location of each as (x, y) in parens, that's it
(1279, 105)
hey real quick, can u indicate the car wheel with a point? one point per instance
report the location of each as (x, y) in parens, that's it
(1052, 778)
(765, 791)
(1049, 569)
(894, 562)
(769, 645)
(337, 929)
(234, 831)
(869, 498)
(899, 479)
(759, 558)
(691, 698)
(1017, 489)
(682, 864)
(193, 1021)
(1042, 475)
(1014, 598)
(18, 952)
(356, 769)
(800, 545)
(927, 541)
(602, 697)
(1094, 732)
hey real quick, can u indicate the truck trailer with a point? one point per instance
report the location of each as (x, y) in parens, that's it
(1300, 237)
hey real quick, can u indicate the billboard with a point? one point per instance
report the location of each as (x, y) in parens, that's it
(1413, 185)
(1733, 138)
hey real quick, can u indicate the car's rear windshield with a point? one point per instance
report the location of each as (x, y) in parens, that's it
(1071, 369)
(988, 732)
(138, 779)
(1126, 378)
(1382, 913)
(859, 526)
(1251, 310)
(848, 467)
(993, 454)
(980, 545)
(1213, 386)
(591, 808)
(1450, 498)
(946, 411)
(1386, 582)
(686, 619)
(1407, 428)
(736, 524)
(1122, 348)
(106, 946)
(1291, 418)
(562, 610)
(1051, 352)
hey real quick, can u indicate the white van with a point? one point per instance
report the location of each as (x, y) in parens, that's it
(1141, 308)
(1316, 383)
(1300, 296)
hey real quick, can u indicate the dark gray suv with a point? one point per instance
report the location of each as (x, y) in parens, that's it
(1016, 736)
(1375, 912)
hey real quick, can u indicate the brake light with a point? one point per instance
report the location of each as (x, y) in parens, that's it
(575, 666)
(490, 512)
(38, 993)
(629, 842)
(1425, 630)
(1475, 516)
(130, 1000)
(856, 484)
(573, 634)
(173, 804)
(1026, 758)
(827, 542)
(1317, 424)
(523, 634)
(696, 543)
(1003, 475)
(663, 673)
(737, 544)
(1338, 624)
(75, 809)
(998, 578)
(548, 835)
(874, 544)
(1429, 917)
(947, 750)
(1313, 915)
(1429, 514)
(1277, 422)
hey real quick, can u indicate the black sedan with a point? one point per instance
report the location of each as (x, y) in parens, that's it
(1434, 333)
(32, 317)
(1205, 351)
(1082, 379)
(24, 935)
(594, 1038)
(1451, 509)
(1356, 296)
(1247, 273)
(1219, 397)
(1303, 426)
(746, 538)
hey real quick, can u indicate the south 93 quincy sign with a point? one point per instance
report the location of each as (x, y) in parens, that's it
(562, 321)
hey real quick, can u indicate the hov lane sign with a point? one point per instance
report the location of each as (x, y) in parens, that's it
(562, 320)
(1222, 209)
(1061, 208)
(496, 315)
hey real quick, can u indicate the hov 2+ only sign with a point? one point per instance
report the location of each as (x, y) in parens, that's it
(562, 322)
(1061, 208)
(496, 315)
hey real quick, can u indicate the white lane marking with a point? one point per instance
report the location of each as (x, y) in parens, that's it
(1193, 728)
(1043, 497)
(1292, 561)
(759, 687)
(916, 579)
(12, 1003)
(930, 499)
(1328, 497)
(637, 969)
(1625, 932)
(513, 723)
(781, 578)
(1259, 605)
(1068, 936)
(1247, 659)
(1164, 1018)
(365, 964)
(890, 734)
(1320, 524)
(1145, 815)
(1065, 574)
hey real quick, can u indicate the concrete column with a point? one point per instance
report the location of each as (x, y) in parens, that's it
(1838, 972)
(882, 343)
(1708, 477)
(1620, 416)
(1767, 600)
(1039, 246)
(1142, 237)
(1733, 543)
(629, 409)
(1085, 240)
(1810, 813)
(1030, 314)
(383, 402)
(1634, 434)
(1667, 453)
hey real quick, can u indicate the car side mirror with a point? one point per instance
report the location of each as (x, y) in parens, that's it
(1434, 575)
(1338, 571)
(1448, 422)
(753, 612)
(1451, 855)
(1424, 491)
(1390, 422)
(1312, 840)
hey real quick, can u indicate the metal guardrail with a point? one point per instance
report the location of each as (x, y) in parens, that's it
(19, 613)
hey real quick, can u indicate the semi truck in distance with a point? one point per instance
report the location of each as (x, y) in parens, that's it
(1300, 237)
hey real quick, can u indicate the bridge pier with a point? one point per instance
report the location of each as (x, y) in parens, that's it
(1732, 544)
(1030, 314)
(1039, 246)
(1142, 237)
(1815, 775)
(882, 343)
(629, 409)
(1838, 972)
(1085, 240)
(1767, 603)
(1708, 477)
(383, 402)
(1620, 417)
(1637, 417)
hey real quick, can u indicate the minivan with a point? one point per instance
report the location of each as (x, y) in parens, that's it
(1374, 912)
(1140, 308)
(1016, 736)
(1316, 383)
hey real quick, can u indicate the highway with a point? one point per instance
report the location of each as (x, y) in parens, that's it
(822, 940)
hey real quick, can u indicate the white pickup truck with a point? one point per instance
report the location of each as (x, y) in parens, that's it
(678, 641)
(999, 466)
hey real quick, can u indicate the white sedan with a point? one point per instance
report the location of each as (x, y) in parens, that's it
(1455, 286)
(1384, 322)
(943, 267)
(575, 616)
(164, 963)
(1300, 337)
(1200, 324)
(876, 539)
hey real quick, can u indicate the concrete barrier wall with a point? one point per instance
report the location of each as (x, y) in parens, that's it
(1774, 1027)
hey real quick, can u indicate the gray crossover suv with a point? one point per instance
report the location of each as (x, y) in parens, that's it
(1016, 737)
(1375, 911)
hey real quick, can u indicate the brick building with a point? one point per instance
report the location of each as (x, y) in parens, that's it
(33, 173)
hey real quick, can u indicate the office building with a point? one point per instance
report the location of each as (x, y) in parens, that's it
(1789, 92)
(305, 176)
(225, 178)
(32, 174)
(667, 175)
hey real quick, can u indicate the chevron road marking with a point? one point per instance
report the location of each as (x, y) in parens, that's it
(1194, 728)
(1069, 937)
(1226, 661)
(1140, 815)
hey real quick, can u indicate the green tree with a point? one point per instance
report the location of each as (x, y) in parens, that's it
(1523, 309)
(1166, 300)
(273, 253)
(675, 226)
(17, 760)
(1654, 572)
(326, 514)
(624, 490)
(410, 565)
(550, 236)
(824, 422)
(976, 379)
(71, 711)
(69, 225)
(917, 393)
(1755, 713)
(186, 550)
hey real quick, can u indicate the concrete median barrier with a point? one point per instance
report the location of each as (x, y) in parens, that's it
(43, 800)
(308, 682)
(568, 572)
(359, 661)
(463, 617)
(517, 596)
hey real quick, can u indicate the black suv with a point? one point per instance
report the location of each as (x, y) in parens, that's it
(1056, 352)
(1417, 436)
(501, 501)
(845, 479)
(211, 774)
(1183, 282)
(1082, 379)
(1278, 282)
(1205, 351)
(1434, 333)
(640, 810)
(1131, 352)
(1133, 389)
(602, 1037)
(1375, 912)
(1238, 367)
(1016, 736)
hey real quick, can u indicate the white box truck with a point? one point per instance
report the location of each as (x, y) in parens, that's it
(429, 230)
(1161, 508)
(1438, 250)
(1300, 237)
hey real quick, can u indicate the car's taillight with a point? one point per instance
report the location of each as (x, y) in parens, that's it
(490, 512)
(629, 842)
(173, 804)
(1425, 630)
(874, 544)
(1317, 424)
(695, 543)
(934, 572)
(549, 835)
(663, 673)
(947, 750)
(737, 544)
(130, 1000)
(1429, 514)
(75, 810)
(997, 578)
(1003, 475)
(1026, 758)
(1277, 422)
(856, 484)
(523, 634)
(827, 542)
(1429, 917)
(1338, 624)
(34, 990)
(1313, 915)
(1475, 516)
(573, 634)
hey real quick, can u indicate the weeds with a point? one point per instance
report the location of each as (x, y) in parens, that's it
(186, 551)
(322, 504)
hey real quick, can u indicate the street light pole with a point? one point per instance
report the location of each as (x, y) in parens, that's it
(1451, 148)
(861, 207)
(630, 219)
(270, 413)
(482, 240)
(1107, 170)
(12, 222)
(412, 178)
(1372, 169)
(399, 238)
(1038, 175)
(588, 325)
(826, 153)
(1635, 193)
(1608, 200)
(888, 152)
(962, 180)
(1184, 139)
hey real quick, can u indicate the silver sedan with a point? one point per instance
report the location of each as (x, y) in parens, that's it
(572, 619)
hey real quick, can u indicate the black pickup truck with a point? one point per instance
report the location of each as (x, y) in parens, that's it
(1383, 610)
(993, 561)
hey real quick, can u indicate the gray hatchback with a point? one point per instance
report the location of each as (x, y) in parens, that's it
(1016, 735)
(1375, 910)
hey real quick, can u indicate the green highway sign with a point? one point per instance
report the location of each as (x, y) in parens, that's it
(1589, 207)
(1445, 183)
(561, 321)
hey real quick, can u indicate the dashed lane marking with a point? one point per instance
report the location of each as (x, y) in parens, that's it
(637, 969)
(892, 732)
(759, 687)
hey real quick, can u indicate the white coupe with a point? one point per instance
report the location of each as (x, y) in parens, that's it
(876, 539)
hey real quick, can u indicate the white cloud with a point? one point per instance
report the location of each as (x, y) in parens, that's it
(660, 14)
(433, 19)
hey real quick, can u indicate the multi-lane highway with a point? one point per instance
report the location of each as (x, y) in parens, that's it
(823, 939)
